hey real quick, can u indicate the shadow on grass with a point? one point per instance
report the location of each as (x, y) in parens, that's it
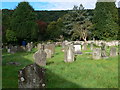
(55, 81)
(10, 73)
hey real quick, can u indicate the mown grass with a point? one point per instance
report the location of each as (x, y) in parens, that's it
(83, 73)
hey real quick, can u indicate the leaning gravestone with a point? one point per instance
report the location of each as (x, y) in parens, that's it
(113, 52)
(31, 76)
(69, 53)
(40, 57)
(96, 54)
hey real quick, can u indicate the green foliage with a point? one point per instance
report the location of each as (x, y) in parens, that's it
(11, 36)
(23, 22)
(54, 29)
(77, 23)
(49, 16)
(6, 17)
(105, 21)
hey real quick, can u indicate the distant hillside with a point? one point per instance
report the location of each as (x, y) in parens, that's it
(46, 16)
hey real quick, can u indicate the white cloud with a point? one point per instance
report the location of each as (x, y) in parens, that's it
(59, 0)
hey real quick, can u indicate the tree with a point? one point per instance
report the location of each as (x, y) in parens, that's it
(54, 29)
(11, 36)
(105, 21)
(23, 22)
(6, 18)
(77, 23)
(82, 30)
(42, 27)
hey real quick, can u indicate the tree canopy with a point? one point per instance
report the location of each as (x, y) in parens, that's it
(23, 22)
(105, 21)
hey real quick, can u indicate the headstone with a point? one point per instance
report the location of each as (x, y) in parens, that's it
(50, 47)
(77, 49)
(13, 49)
(96, 53)
(39, 46)
(40, 57)
(8, 50)
(91, 45)
(21, 49)
(48, 52)
(103, 50)
(31, 76)
(69, 53)
(113, 52)
(29, 47)
(84, 46)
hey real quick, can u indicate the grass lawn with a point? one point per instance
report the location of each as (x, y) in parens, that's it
(83, 73)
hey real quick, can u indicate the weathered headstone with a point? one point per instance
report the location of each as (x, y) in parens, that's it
(84, 46)
(39, 46)
(103, 50)
(29, 47)
(8, 50)
(12, 50)
(21, 49)
(31, 76)
(77, 49)
(40, 57)
(96, 54)
(48, 52)
(91, 45)
(50, 47)
(69, 53)
(113, 51)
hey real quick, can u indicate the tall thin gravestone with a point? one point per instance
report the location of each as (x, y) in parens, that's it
(69, 53)
(84, 46)
(103, 50)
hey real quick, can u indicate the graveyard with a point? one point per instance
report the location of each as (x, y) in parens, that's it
(60, 48)
(84, 72)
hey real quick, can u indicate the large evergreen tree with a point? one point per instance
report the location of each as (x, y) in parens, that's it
(76, 23)
(105, 21)
(23, 22)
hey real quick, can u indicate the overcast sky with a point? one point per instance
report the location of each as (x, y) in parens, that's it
(52, 4)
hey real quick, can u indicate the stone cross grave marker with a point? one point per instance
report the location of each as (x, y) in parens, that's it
(31, 76)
